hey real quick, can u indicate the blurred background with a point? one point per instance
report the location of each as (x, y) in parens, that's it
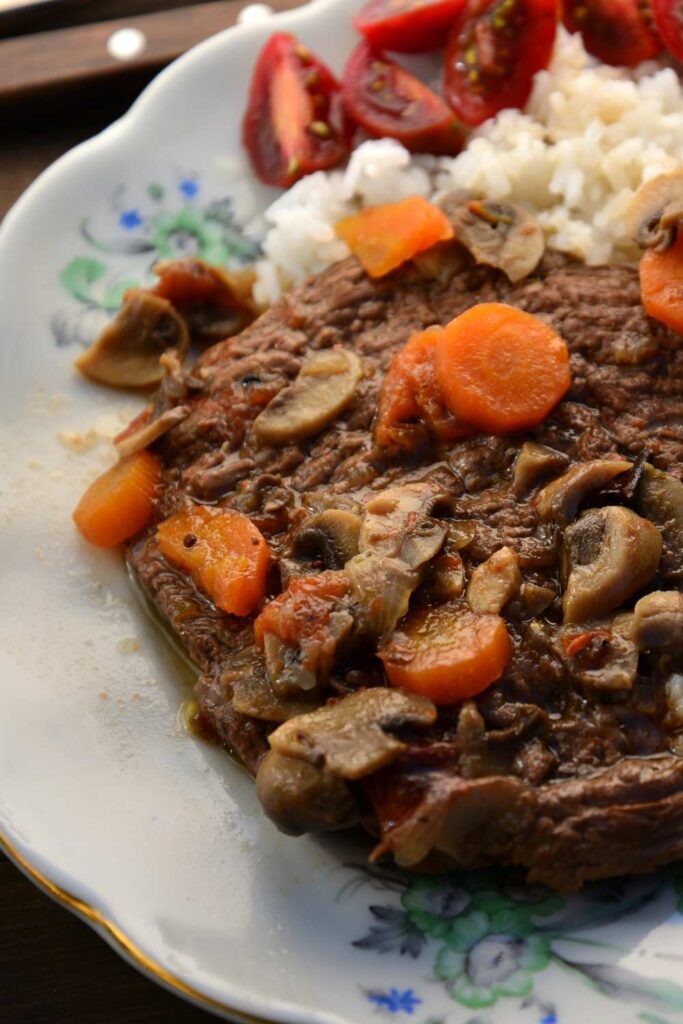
(70, 67)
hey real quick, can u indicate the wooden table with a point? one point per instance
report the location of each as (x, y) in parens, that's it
(53, 968)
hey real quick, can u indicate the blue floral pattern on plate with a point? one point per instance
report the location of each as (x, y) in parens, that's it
(169, 220)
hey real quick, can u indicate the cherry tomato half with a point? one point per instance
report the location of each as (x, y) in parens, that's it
(386, 100)
(668, 19)
(407, 26)
(615, 31)
(295, 122)
(493, 53)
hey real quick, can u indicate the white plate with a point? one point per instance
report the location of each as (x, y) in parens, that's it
(154, 837)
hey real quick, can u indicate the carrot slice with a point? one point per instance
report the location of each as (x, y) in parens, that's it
(224, 552)
(410, 392)
(118, 504)
(661, 284)
(501, 369)
(384, 237)
(447, 653)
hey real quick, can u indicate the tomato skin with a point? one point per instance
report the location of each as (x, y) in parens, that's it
(407, 26)
(386, 100)
(668, 19)
(493, 53)
(615, 31)
(294, 122)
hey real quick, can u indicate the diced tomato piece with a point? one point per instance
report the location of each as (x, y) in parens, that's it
(224, 552)
(386, 100)
(300, 615)
(295, 121)
(384, 237)
(411, 399)
(120, 503)
(407, 26)
(668, 21)
(495, 49)
(618, 32)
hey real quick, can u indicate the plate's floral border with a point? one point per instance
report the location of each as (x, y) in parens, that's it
(488, 935)
(136, 229)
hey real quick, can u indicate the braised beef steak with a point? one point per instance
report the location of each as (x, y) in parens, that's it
(569, 765)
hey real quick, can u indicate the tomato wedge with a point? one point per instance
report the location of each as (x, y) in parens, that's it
(295, 122)
(407, 26)
(618, 32)
(495, 49)
(386, 100)
(668, 19)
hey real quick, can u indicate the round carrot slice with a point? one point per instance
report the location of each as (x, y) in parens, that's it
(447, 653)
(118, 504)
(501, 369)
(661, 285)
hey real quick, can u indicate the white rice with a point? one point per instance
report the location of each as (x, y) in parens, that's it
(590, 135)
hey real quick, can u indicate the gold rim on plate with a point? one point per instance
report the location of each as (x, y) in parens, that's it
(118, 938)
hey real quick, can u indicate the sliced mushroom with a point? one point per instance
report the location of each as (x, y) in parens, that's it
(458, 817)
(536, 598)
(330, 537)
(612, 553)
(402, 522)
(495, 582)
(381, 587)
(348, 738)
(660, 499)
(446, 574)
(659, 620)
(150, 432)
(534, 463)
(253, 695)
(603, 657)
(673, 689)
(497, 234)
(559, 501)
(324, 387)
(655, 211)
(300, 797)
(127, 352)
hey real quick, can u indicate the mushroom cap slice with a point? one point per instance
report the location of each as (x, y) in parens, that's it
(658, 620)
(325, 385)
(348, 738)
(497, 234)
(660, 499)
(151, 431)
(301, 797)
(534, 462)
(127, 352)
(559, 501)
(495, 582)
(331, 535)
(612, 553)
(656, 210)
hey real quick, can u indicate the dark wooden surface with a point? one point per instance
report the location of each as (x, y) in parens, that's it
(53, 968)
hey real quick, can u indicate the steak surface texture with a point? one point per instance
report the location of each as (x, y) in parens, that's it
(552, 767)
